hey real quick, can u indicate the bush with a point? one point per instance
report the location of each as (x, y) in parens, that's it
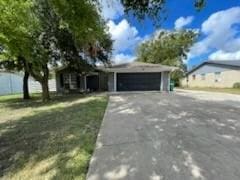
(236, 85)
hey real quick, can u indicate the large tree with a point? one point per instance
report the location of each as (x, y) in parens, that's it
(69, 29)
(168, 48)
(17, 26)
(24, 40)
(53, 31)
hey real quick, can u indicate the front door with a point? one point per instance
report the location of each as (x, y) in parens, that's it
(93, 82)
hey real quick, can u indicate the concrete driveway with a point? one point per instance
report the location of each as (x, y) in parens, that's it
(160, 136)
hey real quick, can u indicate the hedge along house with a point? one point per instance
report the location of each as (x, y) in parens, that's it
(134, 76)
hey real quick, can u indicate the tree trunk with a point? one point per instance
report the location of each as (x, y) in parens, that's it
(42, 78)
(25, 77)
(45, 88)
(45, 91)
(25, 86)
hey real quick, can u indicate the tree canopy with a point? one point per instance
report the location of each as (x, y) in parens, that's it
(18, 25)
(167, 48)
(44, 33)
(152, 8)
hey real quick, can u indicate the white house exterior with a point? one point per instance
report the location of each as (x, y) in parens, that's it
(12, 83)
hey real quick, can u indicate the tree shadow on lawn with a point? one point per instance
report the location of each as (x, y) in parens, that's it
(52, 144)
(16, 101)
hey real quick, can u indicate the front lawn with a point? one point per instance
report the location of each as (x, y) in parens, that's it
(52, 140)
(222, 90)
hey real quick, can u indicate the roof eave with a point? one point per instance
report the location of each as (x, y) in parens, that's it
(140, 69)
(212, 63)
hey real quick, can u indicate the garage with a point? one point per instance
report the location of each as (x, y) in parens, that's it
(138, 81)
(138, 76)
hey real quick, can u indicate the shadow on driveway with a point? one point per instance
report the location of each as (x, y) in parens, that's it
(160, 136)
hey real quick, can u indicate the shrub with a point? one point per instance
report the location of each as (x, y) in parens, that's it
(236, 85)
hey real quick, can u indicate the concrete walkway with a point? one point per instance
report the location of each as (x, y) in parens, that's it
(159, 136)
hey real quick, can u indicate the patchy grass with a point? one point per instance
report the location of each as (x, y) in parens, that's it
(222, 90)
(52, 140)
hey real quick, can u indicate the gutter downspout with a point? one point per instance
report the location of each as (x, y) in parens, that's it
(115, 81)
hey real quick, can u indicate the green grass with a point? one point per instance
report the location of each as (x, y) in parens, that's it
(222, 90)
(52, 140)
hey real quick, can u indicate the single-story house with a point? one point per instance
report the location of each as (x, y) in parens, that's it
(134, 76)
(220, 74)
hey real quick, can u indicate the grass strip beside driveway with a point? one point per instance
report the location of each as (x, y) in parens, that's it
(52, 140)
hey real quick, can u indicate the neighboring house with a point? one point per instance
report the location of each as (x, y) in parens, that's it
(12, 83)
(134, 76)
(220, 74)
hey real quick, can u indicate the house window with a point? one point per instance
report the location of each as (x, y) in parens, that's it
(70, 80)
(203, 76)
(66, 81)
(217, 76)
(73, 81)
(193, 76)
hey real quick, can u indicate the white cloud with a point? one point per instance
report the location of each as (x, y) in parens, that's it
(198, 49)
(222, 55)
(183, 21)
(221, 34)
(123, 58)
(124, 35)
(111, 9)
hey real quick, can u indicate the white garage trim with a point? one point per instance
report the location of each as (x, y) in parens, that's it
(161, 83)
(115, 81)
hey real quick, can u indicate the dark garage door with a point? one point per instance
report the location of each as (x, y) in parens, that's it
(138, 81)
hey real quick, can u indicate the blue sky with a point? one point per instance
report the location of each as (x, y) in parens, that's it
(218, 24)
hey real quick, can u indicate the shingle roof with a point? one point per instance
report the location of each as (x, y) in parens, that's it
(226, 63)
(136, 64)
(139, 66)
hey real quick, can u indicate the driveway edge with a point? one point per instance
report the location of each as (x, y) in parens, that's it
(97, 141)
